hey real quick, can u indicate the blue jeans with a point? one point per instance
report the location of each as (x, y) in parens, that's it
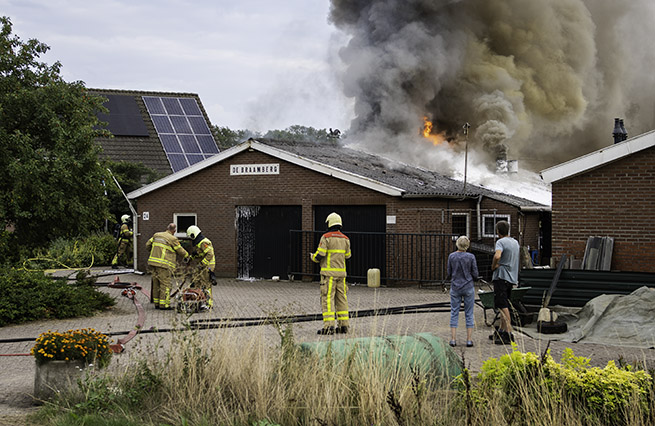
(467, 295)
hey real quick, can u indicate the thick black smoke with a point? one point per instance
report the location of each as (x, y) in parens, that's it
(543, 78)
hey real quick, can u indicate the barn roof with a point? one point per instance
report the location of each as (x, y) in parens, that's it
(374, 172)
(598, 158)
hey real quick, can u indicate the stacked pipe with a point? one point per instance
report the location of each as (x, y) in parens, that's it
(619, 133)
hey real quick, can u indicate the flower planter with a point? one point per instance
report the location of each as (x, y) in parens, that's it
(56, 376)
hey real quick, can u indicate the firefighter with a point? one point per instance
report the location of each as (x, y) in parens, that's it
(164, 248)
(204, 252)
(332, 252)
(124, 243)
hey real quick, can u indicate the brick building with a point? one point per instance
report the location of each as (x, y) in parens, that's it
(263, 204)
(607, 193)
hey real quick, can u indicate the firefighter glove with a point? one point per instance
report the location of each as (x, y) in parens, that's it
(212, 277)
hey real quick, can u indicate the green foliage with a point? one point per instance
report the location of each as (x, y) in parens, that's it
(301, 133)
(598, 395)
(50, 178)
(29, 296)
(226, 137)
(96, 249)
(104, 394)
(11, 251)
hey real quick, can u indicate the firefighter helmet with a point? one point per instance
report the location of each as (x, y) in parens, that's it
(333, 219)
(125, 218)
(193, 231)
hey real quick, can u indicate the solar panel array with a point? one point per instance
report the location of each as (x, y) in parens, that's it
(182, 129)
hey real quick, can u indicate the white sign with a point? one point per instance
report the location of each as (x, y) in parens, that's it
(254, 169)
(145, 215)
(391, 220)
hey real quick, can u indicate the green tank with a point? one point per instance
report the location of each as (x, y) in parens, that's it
(423, 352)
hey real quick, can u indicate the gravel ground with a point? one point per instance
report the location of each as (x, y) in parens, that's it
(239, 299)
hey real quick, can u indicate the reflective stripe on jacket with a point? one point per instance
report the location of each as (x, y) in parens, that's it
(164, 248)
(332, 252)
(205, 251)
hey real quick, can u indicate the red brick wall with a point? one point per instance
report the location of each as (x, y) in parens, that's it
(213, 195)
(616, 200)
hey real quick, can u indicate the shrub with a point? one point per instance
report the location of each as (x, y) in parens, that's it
(29, 296)
(96, 249)
(525, 383)
(73, 345)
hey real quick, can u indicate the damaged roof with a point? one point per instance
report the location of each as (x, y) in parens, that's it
(358, 167)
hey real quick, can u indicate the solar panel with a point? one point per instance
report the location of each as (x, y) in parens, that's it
(124, 117)
(182, 129)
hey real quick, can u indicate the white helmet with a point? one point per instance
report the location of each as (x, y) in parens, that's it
(125, 218)
(333, 219)
(193, 231)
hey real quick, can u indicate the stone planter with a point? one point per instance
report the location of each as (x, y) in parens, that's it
(53, 377)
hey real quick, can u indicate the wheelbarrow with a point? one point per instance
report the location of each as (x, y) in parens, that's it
(486, 302)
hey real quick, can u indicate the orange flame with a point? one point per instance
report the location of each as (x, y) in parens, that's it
(435, 138)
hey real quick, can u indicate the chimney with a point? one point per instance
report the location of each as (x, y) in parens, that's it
(616, 133)
(501, 158)
(624, 132)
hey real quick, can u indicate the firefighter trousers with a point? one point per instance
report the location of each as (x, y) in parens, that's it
(334, 301)
(161, 287)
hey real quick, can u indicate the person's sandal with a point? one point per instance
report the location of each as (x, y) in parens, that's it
(469, 344)
(453, 343)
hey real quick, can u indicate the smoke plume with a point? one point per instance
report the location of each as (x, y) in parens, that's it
(543, 79)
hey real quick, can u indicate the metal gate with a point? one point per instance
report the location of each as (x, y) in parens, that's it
(407, 258)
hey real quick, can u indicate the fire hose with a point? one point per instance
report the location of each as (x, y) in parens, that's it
(214, 323)
(129, 291)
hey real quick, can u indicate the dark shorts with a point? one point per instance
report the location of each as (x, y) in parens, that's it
(502, 292)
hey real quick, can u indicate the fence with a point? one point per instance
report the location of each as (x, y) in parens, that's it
(401, 258)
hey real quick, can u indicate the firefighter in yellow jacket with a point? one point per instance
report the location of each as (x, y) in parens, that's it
(204, 252)
(124, 243)
(164, 248)
(332, 252)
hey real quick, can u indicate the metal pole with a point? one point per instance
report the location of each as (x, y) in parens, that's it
(466, 154)
(135, 220)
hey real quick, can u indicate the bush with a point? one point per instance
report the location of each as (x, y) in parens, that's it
(525, 384)
(29, 296)
(96, 249)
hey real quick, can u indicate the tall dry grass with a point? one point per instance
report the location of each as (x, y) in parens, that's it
(222, 378)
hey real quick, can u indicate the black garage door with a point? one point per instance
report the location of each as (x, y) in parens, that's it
(263, 239)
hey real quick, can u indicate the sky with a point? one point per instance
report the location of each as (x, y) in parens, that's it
(539, 82)
(255, 64)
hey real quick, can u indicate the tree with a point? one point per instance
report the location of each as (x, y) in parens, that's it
(51, 183)
(227, 137)
(303, 133)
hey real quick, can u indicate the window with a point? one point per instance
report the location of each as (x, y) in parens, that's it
(488, 223)
(183, 221)
(460, 224)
